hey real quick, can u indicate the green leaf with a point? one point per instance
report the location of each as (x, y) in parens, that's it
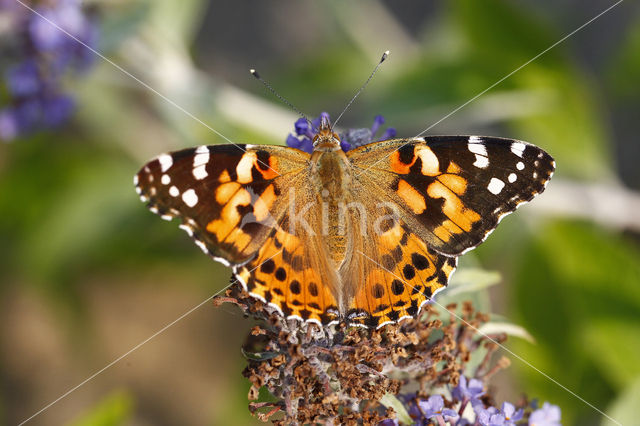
(624, 409)
(618, 344)
(470, 280)
(259, 356)
(494, 327)
(115, 409)
(390, 400)
(577, 293)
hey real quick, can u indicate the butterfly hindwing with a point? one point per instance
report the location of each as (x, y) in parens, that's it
(291, 274)
(455, 189)
(228, 196)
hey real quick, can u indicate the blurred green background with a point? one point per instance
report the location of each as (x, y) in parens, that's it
(88, 272)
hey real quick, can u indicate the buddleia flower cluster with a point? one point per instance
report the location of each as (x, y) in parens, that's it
(302, 138)
(36, 58)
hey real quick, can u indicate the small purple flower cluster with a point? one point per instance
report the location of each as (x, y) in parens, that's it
(469, 391)
(37, 55)
(352, 138)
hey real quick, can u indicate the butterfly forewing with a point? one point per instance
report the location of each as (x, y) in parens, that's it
(455, 189)
(228, 196)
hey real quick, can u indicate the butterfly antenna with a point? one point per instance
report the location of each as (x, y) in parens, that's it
(277, 95)
(384, 56)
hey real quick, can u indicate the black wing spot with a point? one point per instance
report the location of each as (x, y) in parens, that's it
(263, 160)
(294, 286)
(268, 267)
(397, 287)
(281, 274)
(394, 315)
(406, 153)
(408, 271)
(419, 261)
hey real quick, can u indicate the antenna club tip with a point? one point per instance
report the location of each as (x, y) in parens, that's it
(384, 55)
(254, 72)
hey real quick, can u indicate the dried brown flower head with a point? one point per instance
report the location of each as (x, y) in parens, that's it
(342, 375)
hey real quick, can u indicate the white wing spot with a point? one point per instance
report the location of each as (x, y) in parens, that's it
(477, 148)
(165, 179)
(475, 139)
(535, 175)
(200, 161)
(166, 217)
(135, 180)
(173, 191)
(200, 172)
(512, 177)
(520, 165)
(481, 162)
(495, 186)
(518, 148)
(190, 198)
(166, 161)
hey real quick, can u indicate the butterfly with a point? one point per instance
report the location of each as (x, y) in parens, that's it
(366, 237)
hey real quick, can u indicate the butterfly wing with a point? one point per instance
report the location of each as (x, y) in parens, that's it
(455, 189)
(434, 198)
(292, 273)
(391, 272)
(235, 201)
(229, 197)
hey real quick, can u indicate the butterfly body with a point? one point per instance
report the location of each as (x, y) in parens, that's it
(365, 237)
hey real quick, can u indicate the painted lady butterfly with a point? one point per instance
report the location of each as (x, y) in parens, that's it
(367, 236)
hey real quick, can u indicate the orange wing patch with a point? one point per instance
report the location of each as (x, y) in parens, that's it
(403, 276)
(284, 277)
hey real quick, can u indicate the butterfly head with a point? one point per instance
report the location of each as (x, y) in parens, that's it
(326, 139)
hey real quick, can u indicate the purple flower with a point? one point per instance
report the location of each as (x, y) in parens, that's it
(510, 413)
(388, 422)
(487, 416)
(468, 389)
(352, 138)
(491, 416)
(34, 78)
(56, 110)
(303, 128)
(548, 415)
(66, 14)
(23, 79)
(434, 406)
